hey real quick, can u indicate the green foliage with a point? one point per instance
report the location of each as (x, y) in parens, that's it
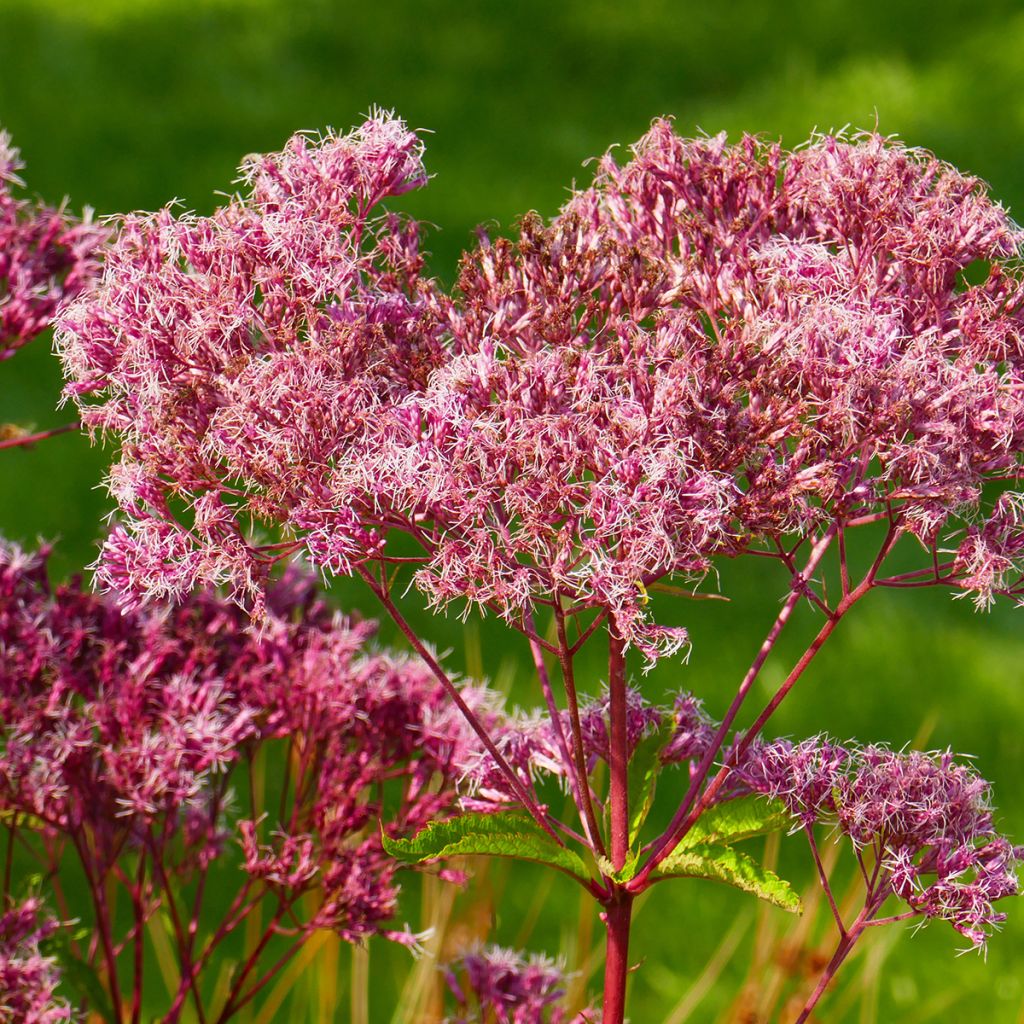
(725, 864)
(706, 850)
(730, 822)
(506, 834)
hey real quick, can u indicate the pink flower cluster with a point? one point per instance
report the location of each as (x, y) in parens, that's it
(121, 733)
(28, 978)
(501, 985)
(926, 819)
(45, 257)
(712, 347)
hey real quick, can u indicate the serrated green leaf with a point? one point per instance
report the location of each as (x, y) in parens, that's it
(735, 820)
(497, 835)
(729, 865)
(644, 767)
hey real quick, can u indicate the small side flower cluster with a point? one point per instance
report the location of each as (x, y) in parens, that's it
(46, 257)
(530, 746)
(501, 985)
(121, 733)
(925, 819)
(28, 979)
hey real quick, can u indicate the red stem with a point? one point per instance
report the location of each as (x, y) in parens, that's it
(137, 897)
(845, 945)
(823, 878)
(235, 999)
(675, 832)
(263, 981)
(618, 753)
(99, 901)
(616, 967)
(575, 768)
(15, 442)
(188, 975)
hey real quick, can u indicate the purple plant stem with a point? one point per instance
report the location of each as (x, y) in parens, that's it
(843, 949)
(139, 912)
(99, 902)
(15, 442)
(618, 753)
(862, 588)
(12, 829)
(232, 919)
(524, 797)
(188, 975)
(640, 882)
(236, 998)
(233, 1006)
(823, 878)
(565, 656)
(618, 906)
(617, 915)
(232, 1003)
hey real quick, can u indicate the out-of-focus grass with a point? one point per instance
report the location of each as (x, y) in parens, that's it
(125, 104)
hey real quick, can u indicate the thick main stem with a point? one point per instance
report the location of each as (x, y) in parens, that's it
(617, 916)
(618, 754)
(618, 908)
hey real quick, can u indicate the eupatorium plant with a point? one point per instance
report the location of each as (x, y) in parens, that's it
(714, 351)
(145, 747)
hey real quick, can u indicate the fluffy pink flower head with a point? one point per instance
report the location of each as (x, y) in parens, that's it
(46, 257)
(712, 348)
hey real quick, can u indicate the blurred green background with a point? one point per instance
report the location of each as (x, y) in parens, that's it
(124, 104)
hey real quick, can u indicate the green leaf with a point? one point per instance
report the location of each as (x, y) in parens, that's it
(644, 767)
(734, 820)
(80, 978)
(506, 834)
(725, 864)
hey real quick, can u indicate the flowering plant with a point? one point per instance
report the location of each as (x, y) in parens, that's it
(124, 736)
(715, 351)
